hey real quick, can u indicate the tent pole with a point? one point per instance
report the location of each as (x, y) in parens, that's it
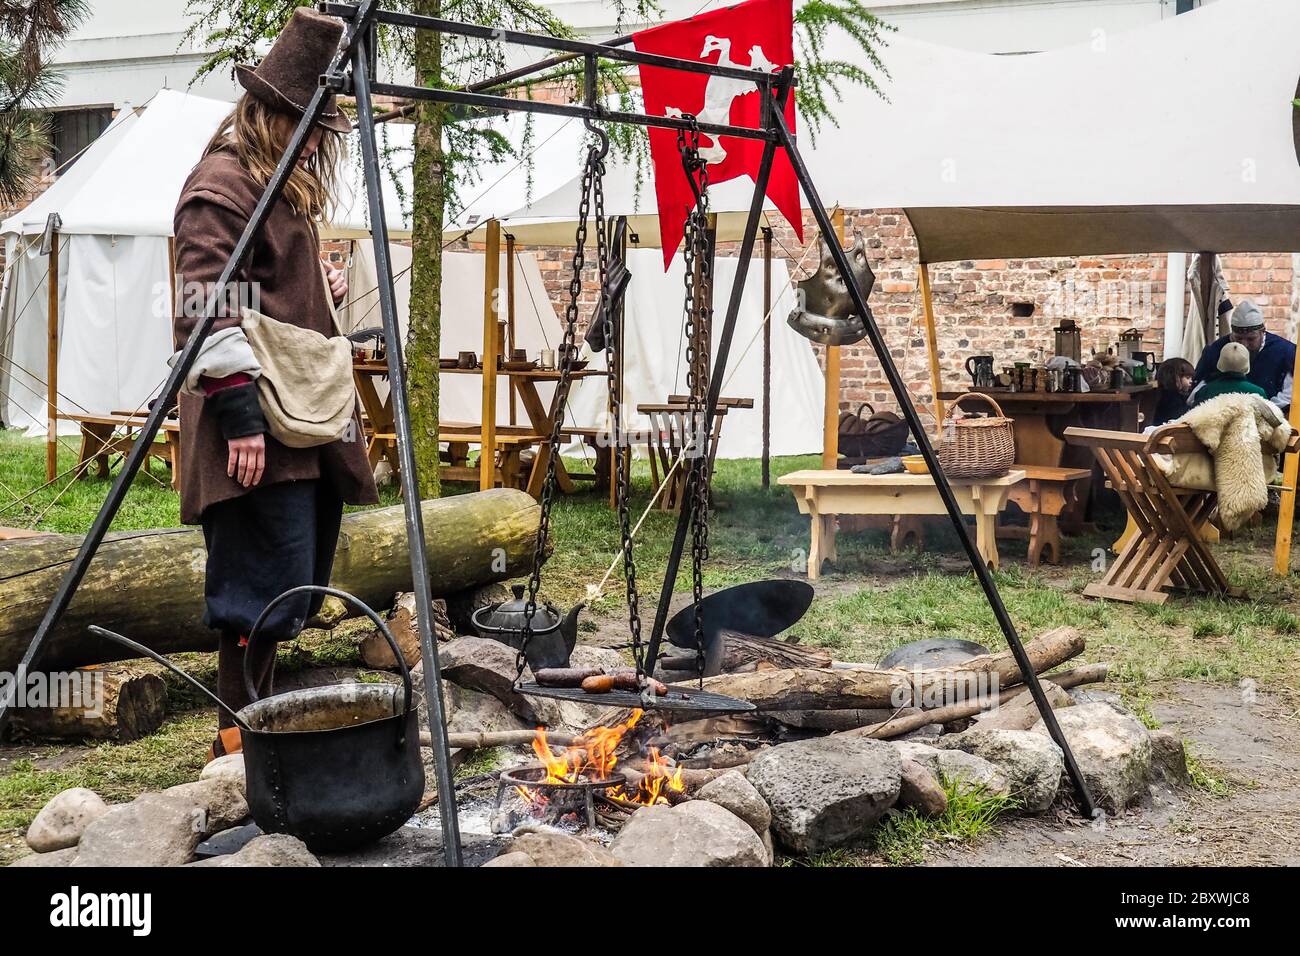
(831, 404)
(767, 357)
(1286, 508)
(510, 320)
(52, 361)
(487, 457)
(941, 484)
(931, 344)
(135, 458)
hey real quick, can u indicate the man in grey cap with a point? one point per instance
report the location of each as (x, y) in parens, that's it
(1272, 358)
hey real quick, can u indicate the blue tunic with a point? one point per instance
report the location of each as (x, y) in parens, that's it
(1270, 367)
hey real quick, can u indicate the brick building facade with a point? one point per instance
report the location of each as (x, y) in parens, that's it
(981, 306)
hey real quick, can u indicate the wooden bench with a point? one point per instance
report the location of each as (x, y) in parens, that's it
(511, 441)
(1169, 549)
(1043, 495)
(823, 495)
(103, 436)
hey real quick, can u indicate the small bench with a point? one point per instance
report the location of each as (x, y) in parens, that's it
(511, 441)
(1043, 495)
(116, 434)
(824, 495)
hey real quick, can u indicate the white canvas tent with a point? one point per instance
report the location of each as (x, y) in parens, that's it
(116, 205)
(460, 397)
(655, 356)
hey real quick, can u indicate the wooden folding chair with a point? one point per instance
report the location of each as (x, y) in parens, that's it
(1169, 550)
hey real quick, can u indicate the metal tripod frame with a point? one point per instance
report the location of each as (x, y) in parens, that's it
(351, 72)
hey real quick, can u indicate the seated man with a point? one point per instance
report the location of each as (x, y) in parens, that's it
(1272, 358)
(1234, 370)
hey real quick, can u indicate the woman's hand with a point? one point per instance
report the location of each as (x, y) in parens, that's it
(338, 280)
(247, 459)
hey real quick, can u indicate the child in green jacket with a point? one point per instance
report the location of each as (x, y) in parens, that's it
(1233, 365)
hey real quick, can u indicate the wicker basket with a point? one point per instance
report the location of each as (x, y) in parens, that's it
(880, 436)
(976, 447)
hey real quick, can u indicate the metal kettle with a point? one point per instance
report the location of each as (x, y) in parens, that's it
(553, 637)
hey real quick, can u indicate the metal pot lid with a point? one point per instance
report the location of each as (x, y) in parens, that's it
(511, 615)
(932, 652)
(758, 609)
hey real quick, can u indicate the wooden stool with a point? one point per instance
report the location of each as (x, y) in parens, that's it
(1044, 495)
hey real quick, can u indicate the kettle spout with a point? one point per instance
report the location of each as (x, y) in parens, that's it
(569, 626)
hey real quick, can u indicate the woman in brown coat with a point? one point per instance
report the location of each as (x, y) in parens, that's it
(270, 513)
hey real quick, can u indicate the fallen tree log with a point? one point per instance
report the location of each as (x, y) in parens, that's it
(804, 688)
(1090, 673)
(149, 584)
(119, 702)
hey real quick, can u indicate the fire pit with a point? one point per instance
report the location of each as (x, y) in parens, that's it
(537, 784)
(571, 781)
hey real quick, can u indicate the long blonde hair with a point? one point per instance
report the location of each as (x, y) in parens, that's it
(258, 136)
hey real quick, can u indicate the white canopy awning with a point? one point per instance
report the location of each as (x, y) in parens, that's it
(1178, 136)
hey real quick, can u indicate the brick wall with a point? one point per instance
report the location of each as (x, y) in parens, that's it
(974, 302)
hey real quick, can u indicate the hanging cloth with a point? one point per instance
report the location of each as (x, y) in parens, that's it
(1194, 328)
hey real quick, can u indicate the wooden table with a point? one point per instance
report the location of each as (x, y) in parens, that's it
(382, 439)
(116, 434)
(823, 495)
(1041, 418)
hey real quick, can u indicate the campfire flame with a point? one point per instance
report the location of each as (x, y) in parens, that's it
(592, 756)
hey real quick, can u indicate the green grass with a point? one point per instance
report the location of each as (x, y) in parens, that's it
(1209, 779)
(904, 838)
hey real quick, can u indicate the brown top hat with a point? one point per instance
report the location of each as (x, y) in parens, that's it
(290, 72)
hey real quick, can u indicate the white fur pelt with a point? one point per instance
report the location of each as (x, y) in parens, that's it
(1242, 433)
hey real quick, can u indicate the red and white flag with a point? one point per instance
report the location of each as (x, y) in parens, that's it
(760, 35)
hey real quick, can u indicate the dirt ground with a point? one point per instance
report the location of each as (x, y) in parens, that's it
(1253, 742)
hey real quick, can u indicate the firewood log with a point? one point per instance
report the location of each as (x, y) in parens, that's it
(499, 738)
(804, 688)
(942, 715)
(149, 584)
(401, 621)
(119, 702)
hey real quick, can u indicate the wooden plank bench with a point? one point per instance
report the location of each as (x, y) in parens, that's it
(511, 442)
(823, 495)
(103, 436)
(1043, 495)
(1169, 549)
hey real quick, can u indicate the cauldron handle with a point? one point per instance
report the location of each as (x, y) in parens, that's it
(148, 652)
(365, 609)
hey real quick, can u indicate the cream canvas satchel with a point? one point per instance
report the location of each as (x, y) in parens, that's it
(306, 388)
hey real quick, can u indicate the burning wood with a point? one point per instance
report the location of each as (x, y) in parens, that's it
(593, 758)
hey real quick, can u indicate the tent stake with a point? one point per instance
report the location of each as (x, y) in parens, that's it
(940, 479)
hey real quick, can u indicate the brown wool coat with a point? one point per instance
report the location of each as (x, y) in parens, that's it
(216, 203)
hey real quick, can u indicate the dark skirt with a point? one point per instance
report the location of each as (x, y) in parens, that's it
(263, 543)
(260, 545)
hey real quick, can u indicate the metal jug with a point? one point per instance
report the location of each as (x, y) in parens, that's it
(980, 368)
